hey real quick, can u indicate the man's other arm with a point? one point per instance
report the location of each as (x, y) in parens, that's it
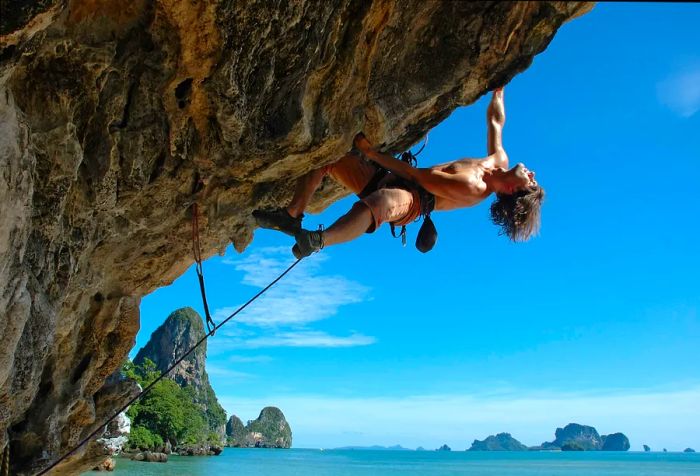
(495, 120)
(434, 181)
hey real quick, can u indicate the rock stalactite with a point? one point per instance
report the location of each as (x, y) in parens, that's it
(112, 113)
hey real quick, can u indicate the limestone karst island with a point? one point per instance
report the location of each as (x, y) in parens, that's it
(139, 138)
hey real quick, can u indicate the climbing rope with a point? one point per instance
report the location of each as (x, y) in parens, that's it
(197, 252)
(5, 461)
(212, 330)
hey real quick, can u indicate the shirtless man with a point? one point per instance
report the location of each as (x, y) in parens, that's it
(459, 184)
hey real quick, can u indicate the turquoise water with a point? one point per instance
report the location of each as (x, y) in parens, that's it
(297, 462)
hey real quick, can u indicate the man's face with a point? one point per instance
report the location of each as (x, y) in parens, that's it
(522, 177)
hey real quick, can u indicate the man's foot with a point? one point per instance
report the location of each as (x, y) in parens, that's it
(278, 219)
(308, 242)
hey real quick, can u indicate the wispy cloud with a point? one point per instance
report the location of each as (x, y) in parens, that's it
(284, 315)
(304, 296)
(681, 91)
(249, 359)
(657, 417)
(213, 369)
(304, 339)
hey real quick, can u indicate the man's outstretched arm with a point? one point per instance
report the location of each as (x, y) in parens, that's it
(495, 120)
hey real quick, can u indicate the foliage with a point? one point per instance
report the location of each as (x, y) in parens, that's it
(215, 414)
(572, 446)
(166, 413)
(140, 438)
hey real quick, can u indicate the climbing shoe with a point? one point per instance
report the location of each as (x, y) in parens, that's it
(278, 219)
(307, 242)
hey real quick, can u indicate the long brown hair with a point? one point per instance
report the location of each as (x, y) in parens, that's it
(518, 214)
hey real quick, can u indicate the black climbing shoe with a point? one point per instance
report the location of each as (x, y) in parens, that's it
(307, 242)
(278, 219)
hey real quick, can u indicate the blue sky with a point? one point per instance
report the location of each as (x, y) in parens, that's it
(595, 321)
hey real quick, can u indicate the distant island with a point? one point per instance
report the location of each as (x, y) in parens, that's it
(573, 437)
(269, 430)
(376, 448)
(500, 442)
(576, 437)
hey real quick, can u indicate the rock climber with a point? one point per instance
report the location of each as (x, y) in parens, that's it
(391, 190)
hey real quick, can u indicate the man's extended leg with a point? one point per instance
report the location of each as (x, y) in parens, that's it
(349, 170)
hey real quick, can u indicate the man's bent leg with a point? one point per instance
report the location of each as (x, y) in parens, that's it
(351, 171)
(288, 220)
(305, 188)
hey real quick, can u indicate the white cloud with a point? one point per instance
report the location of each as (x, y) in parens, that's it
(282, 317)
(303, 296)
(306, 338)
(249, 359)
(213, 369)
(659, 418)
(681, 92)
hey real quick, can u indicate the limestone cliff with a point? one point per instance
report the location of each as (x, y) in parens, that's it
(269, 430)
(236, 433)
(180, 332)
(115, 116)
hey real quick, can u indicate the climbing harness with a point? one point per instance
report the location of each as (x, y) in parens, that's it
(427, 235)
(211, 326)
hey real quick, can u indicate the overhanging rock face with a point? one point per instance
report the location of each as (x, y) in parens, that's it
(112, 113)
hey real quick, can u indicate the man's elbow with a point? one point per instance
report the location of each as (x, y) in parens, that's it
(497, 122)
(500, 153)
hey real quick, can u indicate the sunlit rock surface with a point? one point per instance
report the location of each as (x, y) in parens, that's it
(116, 116)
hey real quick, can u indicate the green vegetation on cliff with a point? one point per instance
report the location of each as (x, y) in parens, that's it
(500, 442)
(167, 413)
(269, 430)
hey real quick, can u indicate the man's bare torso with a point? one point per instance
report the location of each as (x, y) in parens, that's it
(467, 186)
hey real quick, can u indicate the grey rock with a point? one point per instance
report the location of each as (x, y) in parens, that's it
(150, 457)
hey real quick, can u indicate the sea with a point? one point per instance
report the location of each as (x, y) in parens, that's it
(307, 462)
